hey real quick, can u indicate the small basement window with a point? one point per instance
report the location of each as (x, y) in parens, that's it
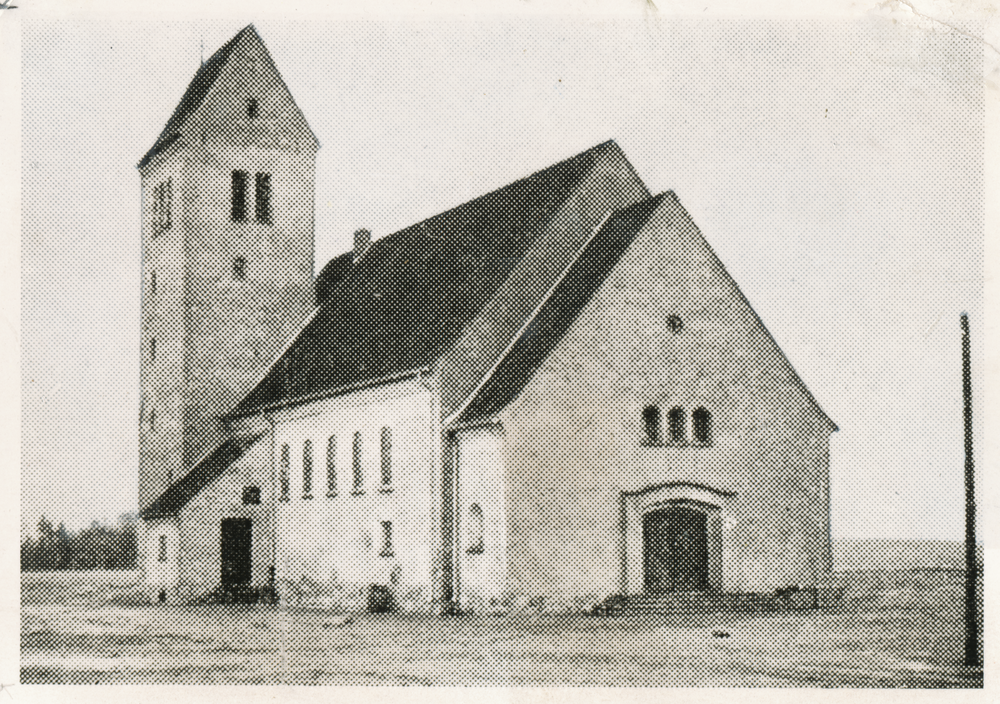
(251, 495)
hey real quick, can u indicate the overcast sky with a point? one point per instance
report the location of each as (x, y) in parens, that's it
(835, 168)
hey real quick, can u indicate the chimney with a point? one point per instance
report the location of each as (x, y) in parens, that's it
(362, 241)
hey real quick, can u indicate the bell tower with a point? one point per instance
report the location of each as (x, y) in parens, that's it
(227, 234)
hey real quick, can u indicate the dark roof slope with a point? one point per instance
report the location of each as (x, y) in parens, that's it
(414, 292)
(196, 91)
(332, 274)
(201, 475)
(562, 308)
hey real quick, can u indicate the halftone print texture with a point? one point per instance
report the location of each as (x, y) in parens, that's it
(540, 438)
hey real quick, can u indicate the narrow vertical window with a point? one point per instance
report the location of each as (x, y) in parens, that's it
(152, 419)
(253, 109)
(651, 424)
(263, 198)
(239, 269)
(356, 463)
(701, 422)
(386, 457)
(678, 432)
(475, 530)
(163, 549)
(168, 199)
(386, 550)
(285, 488)
(152, 349)
(239, 199)
(307, 469)
(331, 466)
(152, 283)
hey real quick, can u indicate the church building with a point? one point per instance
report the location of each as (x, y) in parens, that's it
(539, 399)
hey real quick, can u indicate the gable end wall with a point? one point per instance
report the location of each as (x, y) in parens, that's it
(574, 436)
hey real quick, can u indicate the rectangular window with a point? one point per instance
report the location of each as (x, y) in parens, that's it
(152, 349)
(152, 419)
(386, 457)
(331, 466)
(263, 198)
(386, 539)
(152, 283)
(161, 206)
(239, 269)
(253, 109)
(285, 488)
(356, 464)
(168, 199)
(239, 211)
(307, 469)
(163, 549)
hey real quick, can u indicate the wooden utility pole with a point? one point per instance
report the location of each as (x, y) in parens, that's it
(971, 568)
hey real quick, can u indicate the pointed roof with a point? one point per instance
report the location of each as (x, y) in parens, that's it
(414, 293)
(560, 309)
(205, 78)
(210, 468)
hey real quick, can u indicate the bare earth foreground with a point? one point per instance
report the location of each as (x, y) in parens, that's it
(891, 632)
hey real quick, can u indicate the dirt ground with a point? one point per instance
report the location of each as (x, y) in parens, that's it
(902, 638)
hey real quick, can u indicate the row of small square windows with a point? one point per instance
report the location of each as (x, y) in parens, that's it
(701, 422)
(331, 465)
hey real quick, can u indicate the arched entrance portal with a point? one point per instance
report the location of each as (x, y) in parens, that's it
(675, 550)
(677, 537)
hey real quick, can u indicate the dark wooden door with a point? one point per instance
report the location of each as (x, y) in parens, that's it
(675, 550)
(236, 542)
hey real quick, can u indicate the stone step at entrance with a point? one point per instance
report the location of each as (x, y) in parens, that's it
(712, 601)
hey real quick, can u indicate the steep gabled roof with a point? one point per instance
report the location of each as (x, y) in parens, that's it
(205, 78)
(414, 292)
(211, 467)
(559, 310)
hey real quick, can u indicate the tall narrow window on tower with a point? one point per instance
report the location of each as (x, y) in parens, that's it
(161, 206)
(263, 200)
(239, 209)
(253, 109)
